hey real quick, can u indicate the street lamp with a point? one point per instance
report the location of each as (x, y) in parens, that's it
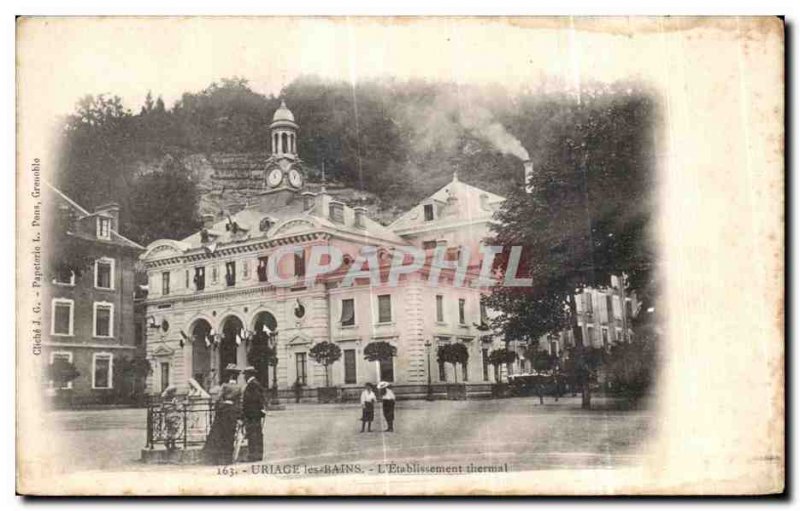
(429, 397)
(272, 339)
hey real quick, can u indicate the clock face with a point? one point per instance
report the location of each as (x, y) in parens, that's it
(274, 177)
(295, 178)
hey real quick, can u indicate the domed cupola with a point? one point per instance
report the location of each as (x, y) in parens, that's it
(284, 132)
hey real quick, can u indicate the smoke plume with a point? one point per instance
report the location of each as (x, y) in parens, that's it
(439, 124)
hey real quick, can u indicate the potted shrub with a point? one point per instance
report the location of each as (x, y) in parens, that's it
(455, 354)
(543, 364)
(379, 351)
(497, 358)
(326, 353)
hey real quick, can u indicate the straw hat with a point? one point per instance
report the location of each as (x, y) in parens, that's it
(382, 385)
(249, 369)
(232, 367)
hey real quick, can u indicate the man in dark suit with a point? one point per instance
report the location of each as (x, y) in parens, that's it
(252, 413)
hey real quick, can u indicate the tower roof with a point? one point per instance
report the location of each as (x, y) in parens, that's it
(283, 113)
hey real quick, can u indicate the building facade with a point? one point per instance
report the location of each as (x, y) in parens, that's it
(89, 316)
(210, 292)
(246, 271)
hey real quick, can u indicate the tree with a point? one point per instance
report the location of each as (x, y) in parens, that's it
(581, 364)
(166, 204)
(325, 353)
(95, 163)
(61, 371)
(631, 367)
(453, 353)
(541, 360)
(379, 351)
(586, 219)
(67, 254)
(128, 373)
(499, 357)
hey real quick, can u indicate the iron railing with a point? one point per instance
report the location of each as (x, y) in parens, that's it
(179, 423)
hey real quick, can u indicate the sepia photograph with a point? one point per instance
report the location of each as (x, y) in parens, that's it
(400, 256)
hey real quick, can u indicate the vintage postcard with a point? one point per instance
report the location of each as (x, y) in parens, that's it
(400, 256)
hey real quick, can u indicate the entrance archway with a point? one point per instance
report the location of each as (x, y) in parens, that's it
(201, 354)
(262, 319)
(261, 354)
(228, 347)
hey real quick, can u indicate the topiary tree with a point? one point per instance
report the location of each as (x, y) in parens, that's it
(499, 357)
(541, 360)
(325, 353)
(455, 353)
(379, 351)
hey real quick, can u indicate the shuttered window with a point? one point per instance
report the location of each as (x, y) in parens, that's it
(348, 312)
(387, 369)
(384, 308)
(299, 265)
(350, 366)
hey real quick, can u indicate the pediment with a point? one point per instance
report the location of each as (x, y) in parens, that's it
(163, 351)
(296, 225)
(299, 340)
(163, 248)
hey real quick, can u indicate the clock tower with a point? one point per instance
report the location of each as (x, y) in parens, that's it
(284, 167)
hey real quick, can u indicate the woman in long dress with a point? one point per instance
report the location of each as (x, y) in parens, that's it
(219, 444)
(367, 407)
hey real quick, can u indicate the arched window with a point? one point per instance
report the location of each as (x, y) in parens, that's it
(294, 147)
(285, 148)
(275, 143)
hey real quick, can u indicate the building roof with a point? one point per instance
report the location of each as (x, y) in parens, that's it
(276, 215)
(283, 113)
(82, 213)
(456, 202)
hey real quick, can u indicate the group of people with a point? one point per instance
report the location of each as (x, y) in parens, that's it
(237, 408)
(243, 408)
(368, 400)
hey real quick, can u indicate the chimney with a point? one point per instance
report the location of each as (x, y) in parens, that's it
(112, 209)
(208, 221)
(309, 198)
(361, 213)
(528, 165)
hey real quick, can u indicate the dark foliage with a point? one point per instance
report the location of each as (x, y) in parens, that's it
(399, 140)
(499, 357)
(454, 353)
(379, 351)
(325, 353)
(261, 356)
(61, 372)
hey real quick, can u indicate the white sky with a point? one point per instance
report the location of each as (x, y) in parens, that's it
(128, 57)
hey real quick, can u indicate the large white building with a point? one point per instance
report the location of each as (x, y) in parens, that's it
(210, 291)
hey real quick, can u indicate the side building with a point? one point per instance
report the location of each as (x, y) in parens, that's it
(90, 343)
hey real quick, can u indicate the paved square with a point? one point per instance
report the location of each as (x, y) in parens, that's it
(517, 431)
